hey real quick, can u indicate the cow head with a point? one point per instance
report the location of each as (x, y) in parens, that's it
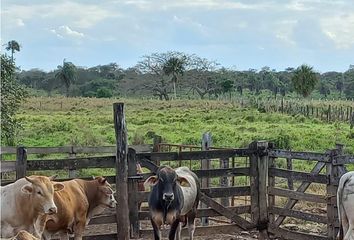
(166, 181)
(105, 193)
(42, 190)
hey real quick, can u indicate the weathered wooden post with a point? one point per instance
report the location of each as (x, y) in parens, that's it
(258, 179)
(205, 165)
(21, 162)
(334, 172)
(224, 181)
(132, 191)
(72, 154)
(122, 210)
(289, 166)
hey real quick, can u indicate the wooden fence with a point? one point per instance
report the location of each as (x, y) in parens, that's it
(271, 201)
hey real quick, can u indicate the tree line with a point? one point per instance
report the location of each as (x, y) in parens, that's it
(176, 74)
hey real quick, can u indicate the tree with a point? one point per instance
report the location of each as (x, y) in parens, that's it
(156, 65)
(13, 46)
(304, 80)
(349, 82)
(175, 66)
(12, 95)
(66, 74)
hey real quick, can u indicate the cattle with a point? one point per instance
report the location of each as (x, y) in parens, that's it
(345, 203)
(173, 199)
(77, 204)
(26, 203)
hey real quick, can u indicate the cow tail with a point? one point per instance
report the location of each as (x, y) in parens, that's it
(341, 209)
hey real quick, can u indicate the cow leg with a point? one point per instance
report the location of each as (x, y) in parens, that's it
(191, 224)
(350, 233)
(79, 229)
(64, 236)
(178, 231)
(157, 231)
(174, 226)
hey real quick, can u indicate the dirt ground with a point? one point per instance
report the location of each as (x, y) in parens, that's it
(111, 228)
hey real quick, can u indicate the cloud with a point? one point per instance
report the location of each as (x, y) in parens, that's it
(340, 30)
(82, 15)
(19, 22)
(66, 31)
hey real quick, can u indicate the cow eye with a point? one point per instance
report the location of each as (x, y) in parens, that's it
(39, 193)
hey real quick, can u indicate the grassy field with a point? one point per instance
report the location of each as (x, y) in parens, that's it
(89, 122)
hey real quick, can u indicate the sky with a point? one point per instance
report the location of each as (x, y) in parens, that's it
(238, 34)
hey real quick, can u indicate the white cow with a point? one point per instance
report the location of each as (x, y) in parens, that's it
(25, 205)
(345, 202)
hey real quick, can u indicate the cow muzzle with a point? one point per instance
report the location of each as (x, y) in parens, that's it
(52, 210)
(168, 197)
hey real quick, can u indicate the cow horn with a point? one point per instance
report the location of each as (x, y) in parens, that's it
(53, 177)
(29, 179)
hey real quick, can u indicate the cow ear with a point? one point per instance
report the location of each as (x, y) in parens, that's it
(183, 182)
(27, 189)
(151, 181)
(58, 186)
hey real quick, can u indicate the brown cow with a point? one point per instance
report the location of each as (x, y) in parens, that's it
(77, 203)
(26, 203)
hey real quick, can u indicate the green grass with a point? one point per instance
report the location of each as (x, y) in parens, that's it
(89, 122)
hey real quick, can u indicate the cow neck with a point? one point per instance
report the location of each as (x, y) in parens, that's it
(91, 190)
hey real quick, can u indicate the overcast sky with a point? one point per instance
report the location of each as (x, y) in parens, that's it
(240, 34)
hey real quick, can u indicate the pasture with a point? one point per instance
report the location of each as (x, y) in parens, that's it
(88, 122)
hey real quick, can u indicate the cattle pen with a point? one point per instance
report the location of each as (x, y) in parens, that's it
(261, 174)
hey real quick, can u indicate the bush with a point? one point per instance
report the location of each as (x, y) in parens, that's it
(104, 93)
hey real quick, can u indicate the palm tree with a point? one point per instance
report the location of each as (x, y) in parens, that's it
(13, 46)
(66, 74)
(174, 66)
(304, 80)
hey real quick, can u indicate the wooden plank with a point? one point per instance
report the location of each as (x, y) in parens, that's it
(297, 195)
(212, 192)
(311, 156)
(302, 188)
(212, 173)
(298, 214)
(8, 166)
(122, 210)
(108, 236)
(242, 223)
(344, 159)
(75, 149)
(105, 219)
(286, 234)
(146, 163)
(66, 164)
(271, 184)
(205, 212)
(195, 155)
(300, 176)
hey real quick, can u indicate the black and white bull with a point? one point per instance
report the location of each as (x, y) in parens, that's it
(173, 200)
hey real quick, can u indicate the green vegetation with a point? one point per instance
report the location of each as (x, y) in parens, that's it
(88, 122)
(305, 80)
(12, 94)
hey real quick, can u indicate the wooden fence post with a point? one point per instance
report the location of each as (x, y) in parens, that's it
(259, 172)
(224, 181)
(72, 172)
(132, 192)
(122, 210)
(334, 172)
(21, 162)
(205, 165)
(289, 166)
